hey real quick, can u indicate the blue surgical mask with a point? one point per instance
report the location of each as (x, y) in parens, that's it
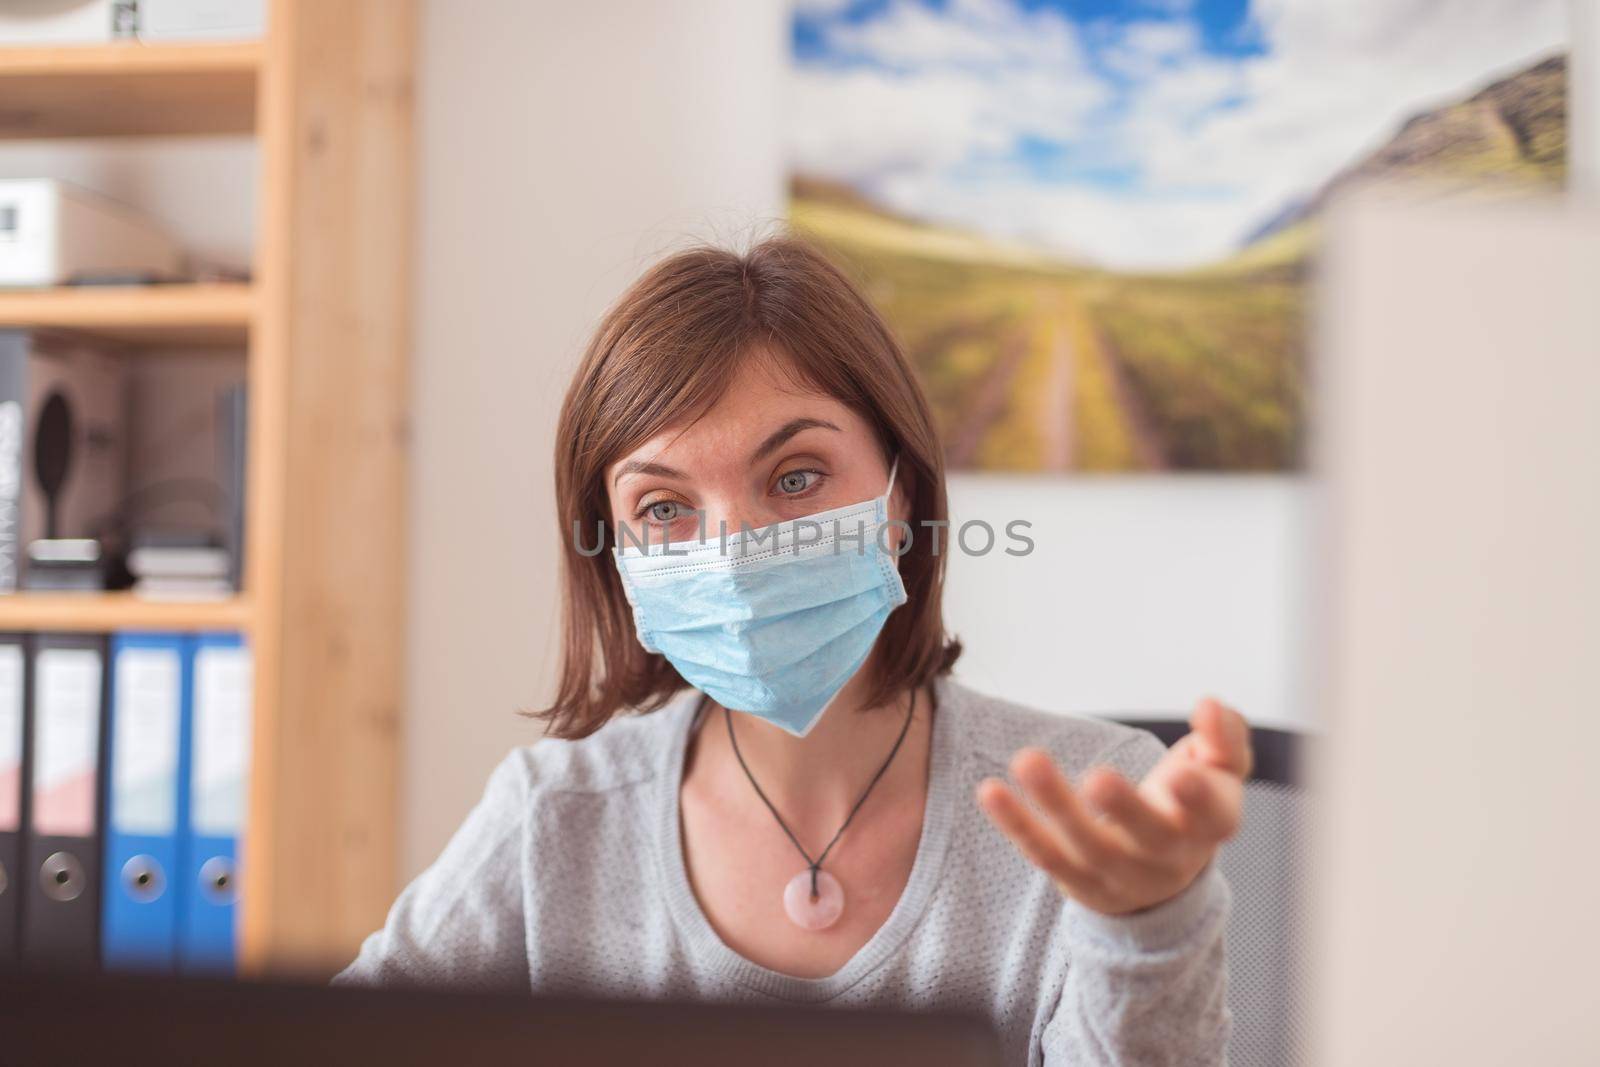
(773, 621)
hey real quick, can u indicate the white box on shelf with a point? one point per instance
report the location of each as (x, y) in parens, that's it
(24, 22)
(52, 233)
(195, 20)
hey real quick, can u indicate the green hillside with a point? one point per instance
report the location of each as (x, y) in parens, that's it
(1506, 139)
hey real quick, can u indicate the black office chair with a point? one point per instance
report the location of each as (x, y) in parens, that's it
(1264, 865)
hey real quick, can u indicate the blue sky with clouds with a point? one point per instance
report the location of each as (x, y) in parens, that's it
(1142, 134)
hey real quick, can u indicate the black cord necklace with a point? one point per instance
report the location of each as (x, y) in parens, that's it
(819, 905)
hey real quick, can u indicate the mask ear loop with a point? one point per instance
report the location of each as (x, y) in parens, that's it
(894, 467)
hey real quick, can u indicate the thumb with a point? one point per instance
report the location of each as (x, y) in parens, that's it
(1221, 737)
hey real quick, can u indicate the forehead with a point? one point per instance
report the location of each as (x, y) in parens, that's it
(760, 396)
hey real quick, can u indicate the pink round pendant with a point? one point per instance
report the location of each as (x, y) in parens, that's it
(813, 914)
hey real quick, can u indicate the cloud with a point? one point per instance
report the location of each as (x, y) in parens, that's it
(914, 103)
(921, 91)
(1143, 49)
(861, 125)
(986, 37)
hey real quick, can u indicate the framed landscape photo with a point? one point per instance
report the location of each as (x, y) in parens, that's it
(1094, 224)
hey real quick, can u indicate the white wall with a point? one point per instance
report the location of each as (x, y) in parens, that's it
(564, 146)
(1142, 593)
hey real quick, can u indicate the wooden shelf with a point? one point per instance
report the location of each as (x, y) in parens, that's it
(117, 611)
(328, 97)
(184, 316)
(128, 88)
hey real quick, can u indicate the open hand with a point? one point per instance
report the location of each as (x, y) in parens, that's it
(1115, 847)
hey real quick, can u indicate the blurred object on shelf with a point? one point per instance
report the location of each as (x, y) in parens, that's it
(217, 274)
(54, 233)
(202, 20)
(182, 589)
(185, 466)
(62, 442)
(52, 22)
(177, 554)
(180, 565)
(66, 564)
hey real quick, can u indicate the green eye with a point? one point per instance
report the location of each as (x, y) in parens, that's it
(663, 510)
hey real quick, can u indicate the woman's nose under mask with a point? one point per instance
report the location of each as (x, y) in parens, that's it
(773, 621)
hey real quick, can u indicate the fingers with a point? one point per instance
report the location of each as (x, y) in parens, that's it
(1222, 737)
(1120, 800)
(1208, 800)
(1037, 843)
(1113, 846)
(1087, 841)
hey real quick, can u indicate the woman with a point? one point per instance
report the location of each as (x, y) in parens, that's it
(762, 782)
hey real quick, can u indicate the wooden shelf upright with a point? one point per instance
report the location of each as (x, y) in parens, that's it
(325, 322)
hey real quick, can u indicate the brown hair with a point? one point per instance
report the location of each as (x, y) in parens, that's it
(661, 356)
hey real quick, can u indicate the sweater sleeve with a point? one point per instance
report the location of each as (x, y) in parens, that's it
(461, 922)
(1148, 988)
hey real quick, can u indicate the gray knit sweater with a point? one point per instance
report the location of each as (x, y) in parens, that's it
(568, 878)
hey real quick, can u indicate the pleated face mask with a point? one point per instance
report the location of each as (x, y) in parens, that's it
(773, 621)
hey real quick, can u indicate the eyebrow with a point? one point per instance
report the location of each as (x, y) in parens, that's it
(776, 439)
(643, 466)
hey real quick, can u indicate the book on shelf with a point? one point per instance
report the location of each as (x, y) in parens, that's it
(182, 588)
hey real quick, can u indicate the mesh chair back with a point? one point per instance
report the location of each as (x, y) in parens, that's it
(1264, 865)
